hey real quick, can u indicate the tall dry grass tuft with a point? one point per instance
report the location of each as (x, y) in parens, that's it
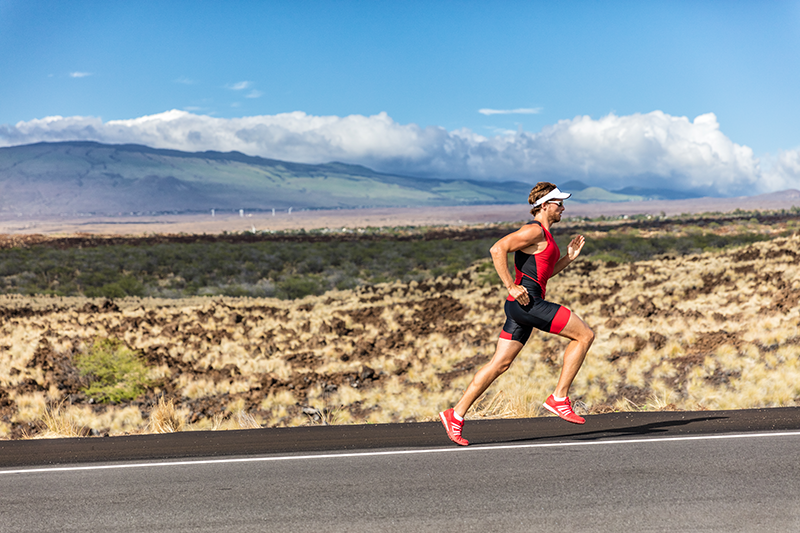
(498, 406)
(504, 405)
(217, 422)
(59, 423)
(165, 418)
(242, 419)
(246, 421)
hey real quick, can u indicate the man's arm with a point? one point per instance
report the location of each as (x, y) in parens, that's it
(573, 251)
(522, 238)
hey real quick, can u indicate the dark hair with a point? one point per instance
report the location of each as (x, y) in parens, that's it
(539, 191)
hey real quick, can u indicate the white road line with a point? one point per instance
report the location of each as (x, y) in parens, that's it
(473, 448)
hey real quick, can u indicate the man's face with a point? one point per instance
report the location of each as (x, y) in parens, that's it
(554, 209)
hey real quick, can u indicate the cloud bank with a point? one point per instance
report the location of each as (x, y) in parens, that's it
(643, 150)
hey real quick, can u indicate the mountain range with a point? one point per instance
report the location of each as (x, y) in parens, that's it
(83, 177)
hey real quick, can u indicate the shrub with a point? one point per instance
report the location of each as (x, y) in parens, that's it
(294, 288)
(125, 286)
(116, 372)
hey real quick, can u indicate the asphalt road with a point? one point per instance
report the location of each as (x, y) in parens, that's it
(711, 471)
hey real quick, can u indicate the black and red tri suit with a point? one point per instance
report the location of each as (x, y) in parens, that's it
(532, 272)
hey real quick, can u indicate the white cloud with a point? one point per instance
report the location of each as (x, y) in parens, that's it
(79, 74)
(254, 94)
(239, 86)
(784, 171)
(185, 81)
(646, 150)
(518, 111)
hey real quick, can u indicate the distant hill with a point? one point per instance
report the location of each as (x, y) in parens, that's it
(596, 194)
(82, 177)
(88, 177)
(572, 186)
(588, 194)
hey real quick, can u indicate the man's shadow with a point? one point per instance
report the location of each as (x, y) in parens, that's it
(653, 428)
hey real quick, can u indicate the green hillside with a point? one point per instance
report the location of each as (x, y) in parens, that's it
(596, 194)
(88, 177)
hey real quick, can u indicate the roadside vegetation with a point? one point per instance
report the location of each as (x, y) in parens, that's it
(115, 373)
(690, 313)
(290, 266)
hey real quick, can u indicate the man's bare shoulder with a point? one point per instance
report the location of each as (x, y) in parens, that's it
(530, 230)
(525, 236)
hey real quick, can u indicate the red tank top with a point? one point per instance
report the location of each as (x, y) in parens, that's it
(534, 270)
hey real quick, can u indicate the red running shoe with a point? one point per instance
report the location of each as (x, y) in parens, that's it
(563, 409)
(453, 427)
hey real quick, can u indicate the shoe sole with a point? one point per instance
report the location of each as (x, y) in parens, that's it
(555, 412)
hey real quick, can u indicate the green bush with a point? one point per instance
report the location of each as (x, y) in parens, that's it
(292, 288)
(125, 286)
(116, 372)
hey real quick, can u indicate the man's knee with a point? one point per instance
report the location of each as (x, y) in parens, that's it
(587, 335)
(492, 370)
(501, 367)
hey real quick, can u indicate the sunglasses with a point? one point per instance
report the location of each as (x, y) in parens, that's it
(559, 203)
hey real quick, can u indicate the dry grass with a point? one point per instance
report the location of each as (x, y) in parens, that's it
(165, 418)
(59, 423)
(710, 331)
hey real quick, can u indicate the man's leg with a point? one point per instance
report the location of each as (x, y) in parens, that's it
(581, 336)
(507, 350)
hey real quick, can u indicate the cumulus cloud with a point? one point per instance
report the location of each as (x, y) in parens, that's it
(645, 150)
(518, 111)
(79, 74)
(783, 171)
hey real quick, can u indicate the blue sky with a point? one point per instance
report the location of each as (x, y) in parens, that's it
(598, 91)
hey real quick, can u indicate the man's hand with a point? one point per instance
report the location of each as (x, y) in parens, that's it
(575, 247)
(519, 294)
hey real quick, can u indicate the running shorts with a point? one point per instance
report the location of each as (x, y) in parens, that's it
(539, 314)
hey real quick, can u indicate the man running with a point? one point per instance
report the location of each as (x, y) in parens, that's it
(536, 259)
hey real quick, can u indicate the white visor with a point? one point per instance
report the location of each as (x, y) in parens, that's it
(555, 194)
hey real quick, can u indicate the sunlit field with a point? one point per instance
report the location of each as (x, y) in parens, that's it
(681, 330)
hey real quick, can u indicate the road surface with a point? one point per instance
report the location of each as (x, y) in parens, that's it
(709, 471)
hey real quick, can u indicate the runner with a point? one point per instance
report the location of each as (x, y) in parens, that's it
(536, 259)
